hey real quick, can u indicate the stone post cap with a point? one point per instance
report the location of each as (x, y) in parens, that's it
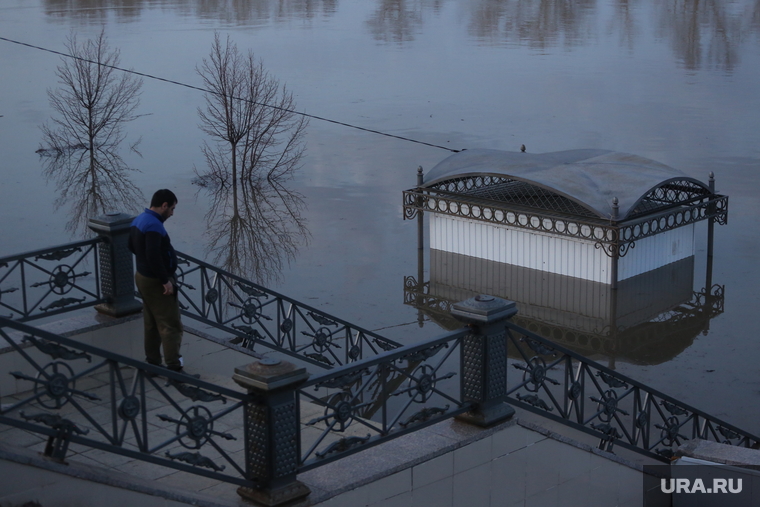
(483, 309)
(269, 374)
(110, 222)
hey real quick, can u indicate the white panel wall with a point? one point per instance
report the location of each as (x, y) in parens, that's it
(656, 251)
(535, 250)
(555, 254)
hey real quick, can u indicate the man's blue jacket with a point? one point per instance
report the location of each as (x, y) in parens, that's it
(148, 240)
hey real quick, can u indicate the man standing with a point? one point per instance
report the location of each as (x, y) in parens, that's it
(156, 263)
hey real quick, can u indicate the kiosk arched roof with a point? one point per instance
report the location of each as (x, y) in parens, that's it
(587, 180)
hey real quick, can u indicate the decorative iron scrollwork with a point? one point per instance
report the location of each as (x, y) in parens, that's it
(614, 249)
(56, 422)
(129, 408)
(608, 405)
(669, 432)
(343, 380)
(322, 339)
(58, 254)
(673, 408)
(534, 400)
(338, 414)
(611, 381)
(319, 357)
(424, 354)
(343, 444)
(251, 310)
(424, 383)
(196, 393)
(385, 345)
(574, 391)
(6, 291)
(62, 279)
(252, 292)
(212, 295)
(195, 427)
(610, 432)
(729, 434)
(535, 374)
(195, 459)
(538, 347)
(50, 382)
(55, 350)
(423, 415)
(321, 319)
(61, 303)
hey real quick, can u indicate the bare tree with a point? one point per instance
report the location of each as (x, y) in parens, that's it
(81, 145)
(255, 222)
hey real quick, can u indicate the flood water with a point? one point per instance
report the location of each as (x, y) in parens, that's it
(677, 82)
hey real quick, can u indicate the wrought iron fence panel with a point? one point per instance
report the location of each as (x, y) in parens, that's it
(77, 394)
(50, 281)
(257, 315)
(357, 406)
(613, 238)
(565, 386)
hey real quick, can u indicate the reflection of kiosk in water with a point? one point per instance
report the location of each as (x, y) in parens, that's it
(596, 247)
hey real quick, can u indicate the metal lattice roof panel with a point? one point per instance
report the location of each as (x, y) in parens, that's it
(589, 178)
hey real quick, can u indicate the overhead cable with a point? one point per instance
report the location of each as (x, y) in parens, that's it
(192, 87)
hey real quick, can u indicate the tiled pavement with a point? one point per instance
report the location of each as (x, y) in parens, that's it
(448, 464)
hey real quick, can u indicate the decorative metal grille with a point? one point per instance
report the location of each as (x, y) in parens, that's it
(88, 398)
(512, 192)
(357, 406)
(565, 386)
(257, 315)
(50, 281)
(530, 196)
(614, 238)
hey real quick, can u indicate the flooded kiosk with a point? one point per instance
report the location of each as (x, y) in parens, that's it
(596, 247)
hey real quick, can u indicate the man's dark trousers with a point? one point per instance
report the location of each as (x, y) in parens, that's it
(163, 326)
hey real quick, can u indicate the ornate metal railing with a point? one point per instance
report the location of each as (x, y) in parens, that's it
(361, 405)
(614, 238)
(50, 281)
(257, 315)
(565, 386)
(75, 393)
(99, 272)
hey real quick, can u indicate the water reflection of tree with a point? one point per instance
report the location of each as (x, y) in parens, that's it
(96, 11)
(704, 32)
(255, 225)
(81, 142)
(539, 23)
(89, 191)
(242, 12)
(396, 20)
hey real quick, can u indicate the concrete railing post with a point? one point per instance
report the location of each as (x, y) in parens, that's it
(484, 358)
(271, 431)
(117, 282)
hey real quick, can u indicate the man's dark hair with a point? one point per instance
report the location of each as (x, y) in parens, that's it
(162, 196)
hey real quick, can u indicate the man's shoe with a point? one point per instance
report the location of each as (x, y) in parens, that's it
(150, 374)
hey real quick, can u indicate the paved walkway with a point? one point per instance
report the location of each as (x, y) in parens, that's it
(448, 464)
